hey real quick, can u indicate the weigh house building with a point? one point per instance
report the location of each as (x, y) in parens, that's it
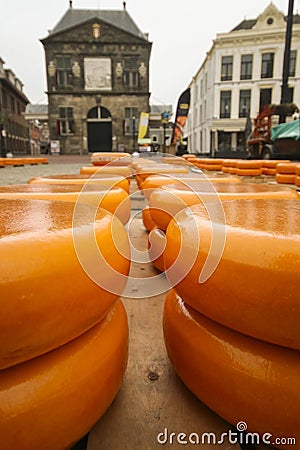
(97, 65)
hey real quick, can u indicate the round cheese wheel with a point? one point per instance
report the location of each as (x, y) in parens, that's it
(157, 181)
(272, 163)
(114, 200)
(103, 158)
(162, 169)
(249, 279)
(240, 378)
(249, 164)
(230, 162)
(156, 246)
(297, 170)
(53, 400)
(147, 219)
(248, 172)
(288, 168)
(212, 166)
(86, 180)
(269, 171)
(285, 178)
(166, 202)
(123, 171)
(46, 296)
(297, 181)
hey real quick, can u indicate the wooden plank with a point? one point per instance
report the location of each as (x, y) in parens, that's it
(151, 397)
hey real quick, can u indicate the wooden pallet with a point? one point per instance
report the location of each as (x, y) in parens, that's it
(151, 397)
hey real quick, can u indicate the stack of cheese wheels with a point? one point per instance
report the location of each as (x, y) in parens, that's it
(286, 173)
(201, 162)
(243, 315)
(249, 168)
(229, 163)
(238, 377)
(166, 202)
(269, 166)
(115, 200)
(84, 180)
(157, 181)
(63, 335)
(254, 288)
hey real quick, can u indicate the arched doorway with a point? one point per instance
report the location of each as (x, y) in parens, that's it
(99, 129)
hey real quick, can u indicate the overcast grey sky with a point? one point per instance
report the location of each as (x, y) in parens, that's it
(182, 32)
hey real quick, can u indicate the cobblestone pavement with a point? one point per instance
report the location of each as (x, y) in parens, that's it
(57, 165)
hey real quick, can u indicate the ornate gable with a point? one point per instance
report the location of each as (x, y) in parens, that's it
(271, 17)
(95, 31)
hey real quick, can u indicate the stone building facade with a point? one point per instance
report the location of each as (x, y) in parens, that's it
(241, 73)
(97, 80)
(14, 129)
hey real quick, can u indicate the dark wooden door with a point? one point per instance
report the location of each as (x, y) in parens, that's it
(99, 136)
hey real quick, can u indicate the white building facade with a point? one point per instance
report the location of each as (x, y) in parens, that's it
(241, 73)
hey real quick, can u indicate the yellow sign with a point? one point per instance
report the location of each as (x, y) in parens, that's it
(143, 125)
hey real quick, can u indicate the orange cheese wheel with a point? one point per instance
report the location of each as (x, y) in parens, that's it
(297, 181)
(225, 169)
(86, 180)
(166, 202)
(102, 158)
(22, 161)
(162, 169)
(147, 219)
(249, 164)
(288, 168)
(230, 162)
(156, 181)
(297, 171)
(213, 161)
(272, 163)
(232, 170)
(46, 297)
(254, 288)
(52, 401)
(240, 378)
(123, 171)
(285, 178)
(248, 172)
(114, 200)
(156, 246)
(212, 166)
(269, 171)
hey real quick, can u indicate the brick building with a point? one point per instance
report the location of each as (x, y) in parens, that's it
(14, 130)
(97, 79)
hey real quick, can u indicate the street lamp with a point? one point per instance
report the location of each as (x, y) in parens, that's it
(133, 132)
(164, 120)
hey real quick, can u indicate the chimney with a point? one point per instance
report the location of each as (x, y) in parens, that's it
(124, 5)
(71, 3)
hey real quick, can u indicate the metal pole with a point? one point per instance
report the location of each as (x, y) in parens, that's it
(133, 133)
(286, 59)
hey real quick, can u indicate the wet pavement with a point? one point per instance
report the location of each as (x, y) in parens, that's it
(60, 164)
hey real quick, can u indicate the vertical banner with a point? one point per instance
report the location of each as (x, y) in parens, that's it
(143, 125)
(181, 115)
